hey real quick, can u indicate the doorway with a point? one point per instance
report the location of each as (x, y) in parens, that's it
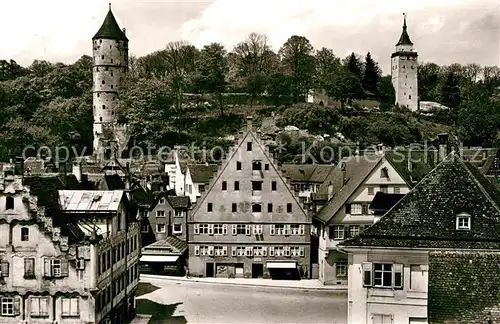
(210, 270)
(257, 270)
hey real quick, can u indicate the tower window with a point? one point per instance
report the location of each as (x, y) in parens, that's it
(9, 203)
(102, 57)
(111, 73)
(111, 60)
(409, 97)
(106, 68)
(103, 106)
(249, 146)
(100, 118)
(98, 94)
(100, 41)
(97, 69)
(25, 234)
(111, 86)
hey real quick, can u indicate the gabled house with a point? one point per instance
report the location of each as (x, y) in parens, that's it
(433, 257)
(347, 213)
(175, 169)
(196, 179)
(249, 222)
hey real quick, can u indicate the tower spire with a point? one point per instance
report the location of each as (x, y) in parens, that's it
(404, 17)
(110, 5)
(404, 39)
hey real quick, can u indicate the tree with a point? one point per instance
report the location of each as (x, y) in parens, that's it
(450, 90)
(278, 86)
(429, 75)
(326, 65)
(298, 62)
(252, 59)
(371, 76)
(212, 71)
(344, 86)
(354, 65)
(386, 93)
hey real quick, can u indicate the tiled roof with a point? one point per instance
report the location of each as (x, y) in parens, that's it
(114, 182)
(110, 29)
(464, 287)
(357, 169)
(384, 201)
(307, 172)
(201, 173)
(426, 216)
(90, 200)
(172, 244)
(179, 201)
(405, 38)
(412, 165)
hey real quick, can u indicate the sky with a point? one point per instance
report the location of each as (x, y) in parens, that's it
(443, 31)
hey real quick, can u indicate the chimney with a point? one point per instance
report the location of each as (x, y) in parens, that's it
(249, 122)
(344, 174)
(19, 166)
(380, 148)
(443, 146)
(124, 31)
(77, 170)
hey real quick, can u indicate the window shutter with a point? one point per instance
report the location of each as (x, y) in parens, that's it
(264, 251)
(247, 229)
(17, 306)
(224, 250)
(46, 268)
(301, 251)
(224, 229)
(361, 228)
(271, 251)
(64, 268)
(397, 275)
(210, 229)
(233, 251)
(196, 228)
(5, 268)
(211, 250)
(367, 274)
(287, 251)
(348, 208)
(196, 250)
(74, 306)
(272, 230)
(234, 229)
(346, 232)
(364, 208)
(302, 229)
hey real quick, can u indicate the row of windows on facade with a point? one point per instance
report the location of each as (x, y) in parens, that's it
(256, 208)
(249, 251)
(39, 306)
(162, 228)
(247, 229)
(103, 82)
(111, 61)
(116, 254)
(307, 187)
(116, 287)
(341, 232)
(117, 42)
(52, 267)
(256, 186)
(161, 213)
(384, 189)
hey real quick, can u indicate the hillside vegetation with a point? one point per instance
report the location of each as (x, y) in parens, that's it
(184, 95)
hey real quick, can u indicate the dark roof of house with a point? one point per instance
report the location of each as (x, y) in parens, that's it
(307, 172)
(46, 189)
(179, 201)
(426, 216)
(110, 29)
(405, 38)
(412, 165)
(357, 169)
(464, 287)
(172, 244)
(114, 182)
(385, 201)
(201, 173)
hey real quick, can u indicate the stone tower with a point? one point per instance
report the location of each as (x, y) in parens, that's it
(110, 51)
(404, 72)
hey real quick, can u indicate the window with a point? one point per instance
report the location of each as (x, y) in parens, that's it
(234, 207)
(381, 319)
(179, 213)
(269, 208)
(356, 209)
(162, 201)
(273, 186)
(39, 306)
(297, 229)
(70, 307)
(341, 269)
(364, 209)
(280, 229)
(266, 166)
(25, 234)
(29, 267)
(256, 186)
(103, 82)
(201, 188)
(384, 173)
(463, 222)
(289, 208)
(10, 306)
(160, 213)
(177, 229)
(384, 189)
(385, 275)
(370, 191)
(55, 268)
(249, 146)
(409, 97)
(160, 228)
(209, 207)
(397, 190)
(353, 230)
(241, 229)
(9, 203)
(218, 229)
(224, 185)
(256, 208)
(103, 106)
(238, 165)
(236, 185)
(256, 165)
(145, 228)
(336, 232)
(220, 250)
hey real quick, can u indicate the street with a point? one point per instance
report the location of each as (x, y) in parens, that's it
(194, 302)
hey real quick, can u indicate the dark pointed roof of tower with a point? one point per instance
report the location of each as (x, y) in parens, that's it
(405, 38)
(110, 29)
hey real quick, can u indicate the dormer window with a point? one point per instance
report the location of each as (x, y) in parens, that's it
(463, 222)
(384, 173)
(9, 203)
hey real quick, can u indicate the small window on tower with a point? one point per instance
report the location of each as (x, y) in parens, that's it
(103, 82)
(100, 41)
(103, 106)
(111, 86)
(100, 118)
(409, 97)
(97, 69)
(111, 60)
(106, 68)
(102, 57)
(98, 94)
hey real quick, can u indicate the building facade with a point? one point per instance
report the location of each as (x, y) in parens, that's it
(404, 72)
(196, 178)
(249, 223)
(110, 57)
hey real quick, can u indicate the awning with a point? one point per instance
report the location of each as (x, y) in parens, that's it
(159, 258)
(281, 265)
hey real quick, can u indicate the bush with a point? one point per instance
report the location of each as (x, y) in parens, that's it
(315, 118)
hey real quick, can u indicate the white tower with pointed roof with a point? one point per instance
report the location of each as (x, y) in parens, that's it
(404, 72)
